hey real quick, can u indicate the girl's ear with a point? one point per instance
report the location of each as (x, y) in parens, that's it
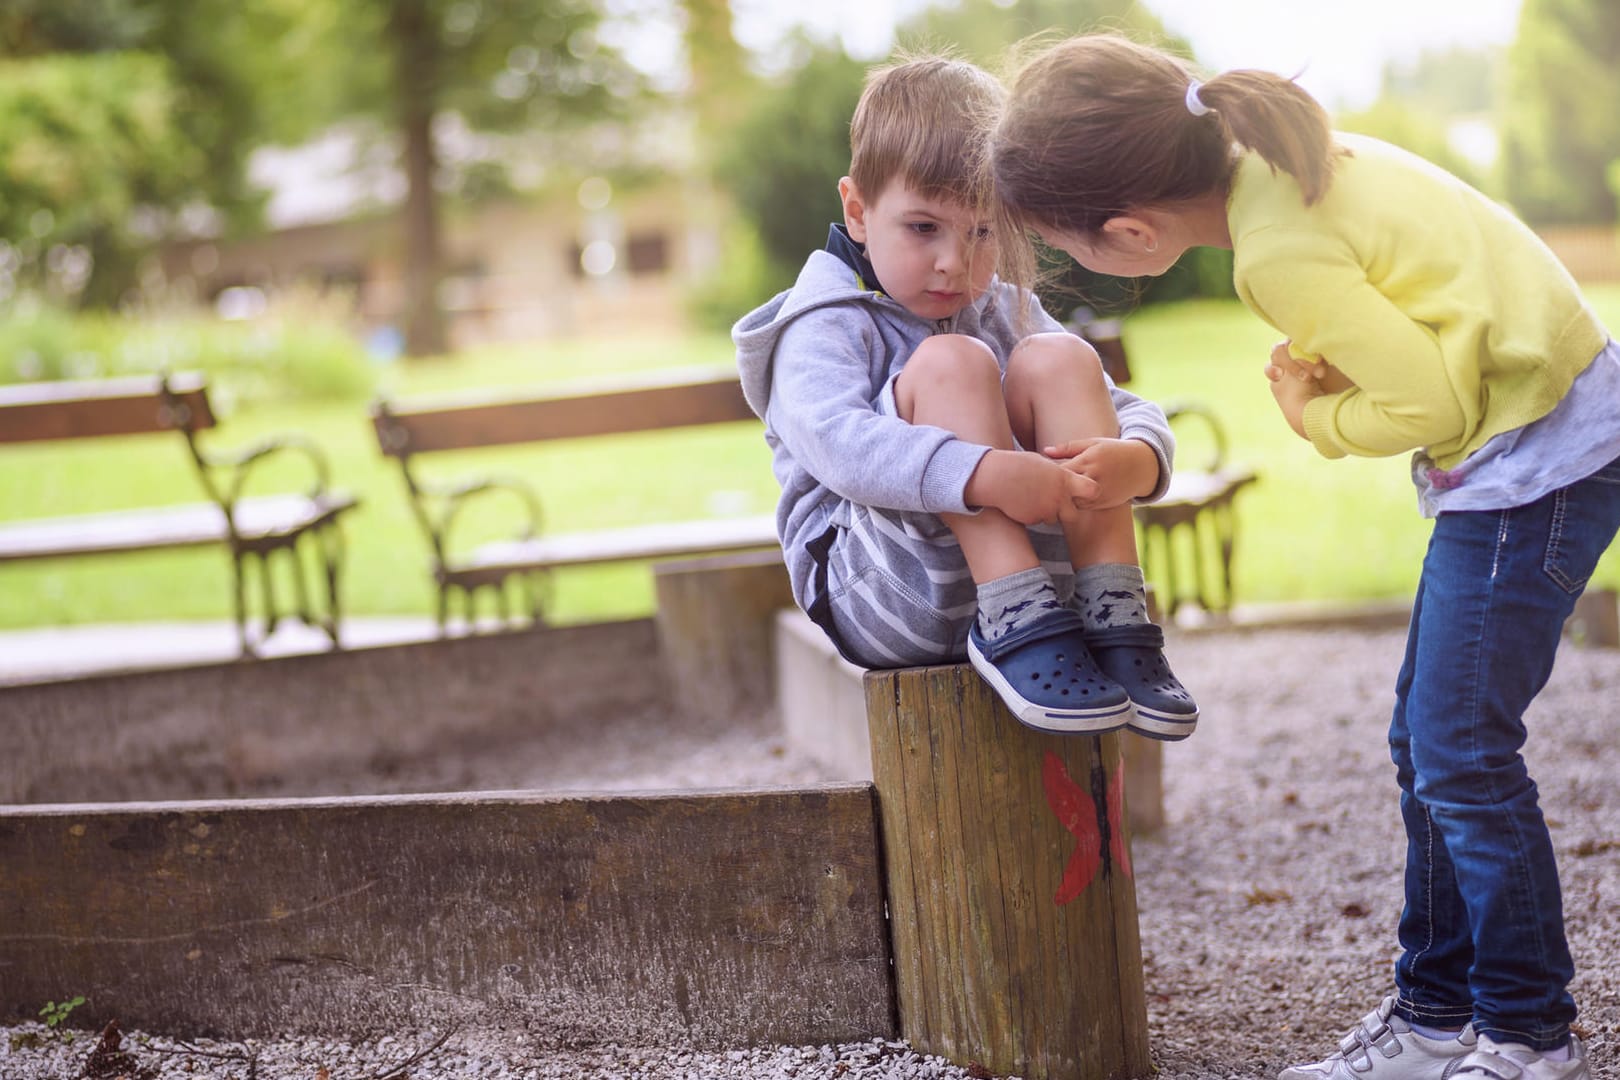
(1137, 235)
(854, 209)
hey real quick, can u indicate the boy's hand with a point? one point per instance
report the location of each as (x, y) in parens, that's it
(1028, 488)
(1124, 469)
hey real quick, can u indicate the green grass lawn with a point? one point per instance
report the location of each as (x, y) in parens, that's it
(1310, 530)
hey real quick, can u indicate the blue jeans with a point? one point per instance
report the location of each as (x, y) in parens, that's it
(1482, 933)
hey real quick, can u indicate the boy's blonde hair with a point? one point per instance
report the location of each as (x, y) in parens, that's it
(925, 120)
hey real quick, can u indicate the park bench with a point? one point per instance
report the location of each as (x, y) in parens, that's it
(1198, 504)
(408, 430)
(250, 528)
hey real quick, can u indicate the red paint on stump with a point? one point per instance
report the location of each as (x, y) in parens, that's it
(1077, 813)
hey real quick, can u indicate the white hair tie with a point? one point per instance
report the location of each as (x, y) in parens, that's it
(1195, 104)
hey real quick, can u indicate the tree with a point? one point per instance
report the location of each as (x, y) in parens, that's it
(1395, 121)
(786, 155)
(498, 65)
(177, 94)
(90, 142)
(985, 31)
(1561, 130)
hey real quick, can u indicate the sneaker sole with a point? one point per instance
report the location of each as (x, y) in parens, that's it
(1166, 727)
(1031, 714)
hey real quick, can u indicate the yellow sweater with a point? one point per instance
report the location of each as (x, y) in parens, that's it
(1453, 320)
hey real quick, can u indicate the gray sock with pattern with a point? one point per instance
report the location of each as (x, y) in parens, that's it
(1110, 594)
(1009, 602)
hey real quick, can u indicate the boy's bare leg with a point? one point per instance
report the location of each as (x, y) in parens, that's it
(1026, 644)
(1056, 393)
(954, 382)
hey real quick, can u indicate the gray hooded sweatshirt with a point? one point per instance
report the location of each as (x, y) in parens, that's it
(814, 362)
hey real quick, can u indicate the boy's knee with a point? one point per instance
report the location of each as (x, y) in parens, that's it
(1042, 359)
(951, 361)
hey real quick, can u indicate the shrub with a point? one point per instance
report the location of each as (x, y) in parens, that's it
(293, 352)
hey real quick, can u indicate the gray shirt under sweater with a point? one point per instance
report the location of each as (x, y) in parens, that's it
(814, 361)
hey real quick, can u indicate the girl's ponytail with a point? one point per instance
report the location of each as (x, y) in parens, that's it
(1278, 120)
(1098, 125)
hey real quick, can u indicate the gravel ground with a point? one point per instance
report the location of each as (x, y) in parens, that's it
(1268, 906)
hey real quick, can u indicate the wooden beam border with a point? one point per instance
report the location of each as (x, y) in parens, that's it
(719, 918)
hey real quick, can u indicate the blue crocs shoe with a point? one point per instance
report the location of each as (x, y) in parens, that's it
(1047, 678)
(1133, 656)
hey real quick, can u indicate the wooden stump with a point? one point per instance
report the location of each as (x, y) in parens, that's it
(716, 628)
(1012, 905)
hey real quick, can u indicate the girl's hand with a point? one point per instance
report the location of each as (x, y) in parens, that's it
(1124, 469)
(1284, 364)
(1292, 395)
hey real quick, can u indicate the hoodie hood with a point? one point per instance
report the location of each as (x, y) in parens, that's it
(827, 278)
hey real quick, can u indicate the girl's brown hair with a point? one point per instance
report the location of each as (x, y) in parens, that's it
(1098, 126)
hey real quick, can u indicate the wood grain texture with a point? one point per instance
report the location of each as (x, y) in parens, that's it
(995, 962)
(721, 918)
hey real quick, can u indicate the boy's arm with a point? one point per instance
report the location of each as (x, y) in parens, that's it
(825, 374)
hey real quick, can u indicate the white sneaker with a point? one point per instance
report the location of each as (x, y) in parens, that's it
(1384, 1047)
(1512, 1061)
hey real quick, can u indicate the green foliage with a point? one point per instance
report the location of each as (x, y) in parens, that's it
(1445, 82)
(56, 1013)
(1561, 130)
(745, 280)
(1423, 132)
(296, 353)
(785, 157)
(1311, 529)
(989, 31)
(90, 140)
(173, 96)
(500, 65)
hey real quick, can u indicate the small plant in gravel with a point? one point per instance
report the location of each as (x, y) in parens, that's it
(54, 1015)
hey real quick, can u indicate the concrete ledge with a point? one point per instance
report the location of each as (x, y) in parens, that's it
(820, 698)
(720, 918)
(295, 725)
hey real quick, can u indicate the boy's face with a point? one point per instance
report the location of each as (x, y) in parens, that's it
(932, 255)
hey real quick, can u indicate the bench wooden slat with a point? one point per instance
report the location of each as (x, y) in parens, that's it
(184, 525)
(664, 403)
(675, 540)
(32, 412)
(1200, 488)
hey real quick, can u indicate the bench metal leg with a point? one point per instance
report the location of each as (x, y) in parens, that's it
(328, 541)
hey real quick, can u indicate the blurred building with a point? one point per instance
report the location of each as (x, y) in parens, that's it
(584, 260)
